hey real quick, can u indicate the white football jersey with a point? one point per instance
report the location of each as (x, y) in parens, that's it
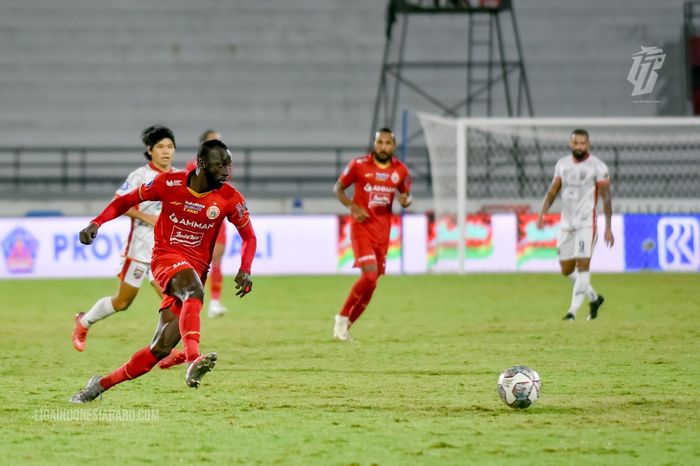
(579, 189)
(139, 245)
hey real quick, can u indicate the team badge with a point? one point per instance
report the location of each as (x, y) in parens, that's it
(394, 177)
(213, 212)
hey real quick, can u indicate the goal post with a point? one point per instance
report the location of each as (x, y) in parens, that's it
(482, 164)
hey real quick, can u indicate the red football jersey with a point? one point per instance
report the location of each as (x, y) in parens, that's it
(189, 221)
(375, 187)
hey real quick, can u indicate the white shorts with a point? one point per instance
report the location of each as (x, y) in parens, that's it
(133, 272)
(576, 244)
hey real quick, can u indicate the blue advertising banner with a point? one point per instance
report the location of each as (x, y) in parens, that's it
(662, 242)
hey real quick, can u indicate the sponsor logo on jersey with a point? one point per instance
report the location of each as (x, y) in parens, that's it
(178, 264)
(379, 188)
(124, 187)
(191, 223)
(20, 248)
(379, 200)
(172, 183)
(186, 238)
(381, 176)
(213, 212)
(369, 175)
(368, 257)
(175, 202)
(193, 207)
(148, 184)
(679, 243)
(394, 177)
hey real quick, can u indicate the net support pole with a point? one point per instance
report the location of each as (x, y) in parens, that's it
(461, 154)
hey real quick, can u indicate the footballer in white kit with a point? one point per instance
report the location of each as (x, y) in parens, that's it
(136, 256)
(579, 196)
(581, 178)
(159, 142)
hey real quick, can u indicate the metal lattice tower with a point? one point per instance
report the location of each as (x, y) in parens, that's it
(495, 84)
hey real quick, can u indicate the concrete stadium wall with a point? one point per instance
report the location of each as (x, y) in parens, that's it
(293, 71)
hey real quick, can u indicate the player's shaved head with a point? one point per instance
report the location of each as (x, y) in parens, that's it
(384, 130)
(579, 132)
(579, 143)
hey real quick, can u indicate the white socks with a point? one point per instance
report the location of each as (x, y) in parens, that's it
(101, 309)
(590, 292)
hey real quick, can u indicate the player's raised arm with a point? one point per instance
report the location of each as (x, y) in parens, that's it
(114, 209)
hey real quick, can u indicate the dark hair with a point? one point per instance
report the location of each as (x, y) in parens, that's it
(385, 129)
(205, 135)
(208, 146)
(580, 132)
(153, 135)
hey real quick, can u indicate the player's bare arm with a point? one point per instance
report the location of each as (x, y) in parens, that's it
(138, 215)
(604, 191)
(552, 192)
(405, 199)
(358, 212)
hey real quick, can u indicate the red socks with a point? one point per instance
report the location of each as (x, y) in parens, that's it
(141, 362)
(360, 307)
(216, 278)
(360, 295)
(189, 327)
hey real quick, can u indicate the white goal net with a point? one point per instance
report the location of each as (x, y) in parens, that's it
(489, 164)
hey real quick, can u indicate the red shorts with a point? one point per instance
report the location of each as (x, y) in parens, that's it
(221, 238)
(368, 251)
(163, 268)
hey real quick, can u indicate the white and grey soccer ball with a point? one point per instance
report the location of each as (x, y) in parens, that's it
(519, 386)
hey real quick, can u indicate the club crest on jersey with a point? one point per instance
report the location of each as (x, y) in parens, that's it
(171, 183)
(381, 176)
(213, 212)
(394, 177)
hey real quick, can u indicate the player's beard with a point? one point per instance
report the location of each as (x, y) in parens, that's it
(382, 157)
(578, 154)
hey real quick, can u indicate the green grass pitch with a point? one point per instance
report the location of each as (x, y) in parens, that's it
(418, 387)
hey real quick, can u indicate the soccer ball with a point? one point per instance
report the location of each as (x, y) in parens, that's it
(519, 386)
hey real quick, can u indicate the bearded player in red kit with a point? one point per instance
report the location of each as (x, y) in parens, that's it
(194, 205)
(377, 177)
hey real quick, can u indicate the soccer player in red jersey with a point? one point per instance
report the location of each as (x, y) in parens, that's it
(194, 204)
(216, 278)
(377, 177)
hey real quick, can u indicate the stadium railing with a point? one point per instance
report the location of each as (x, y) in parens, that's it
(71, 172)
